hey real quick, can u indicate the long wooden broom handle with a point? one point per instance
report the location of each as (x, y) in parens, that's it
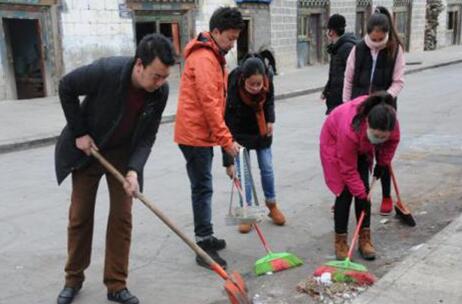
(360, 223)
(395, 182)
(198, 250)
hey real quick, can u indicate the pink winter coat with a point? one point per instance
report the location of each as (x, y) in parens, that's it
(340, 146)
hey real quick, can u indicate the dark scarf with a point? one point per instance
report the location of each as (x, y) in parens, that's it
(256, 102)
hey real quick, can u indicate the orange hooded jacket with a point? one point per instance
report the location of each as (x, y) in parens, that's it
(201, 103)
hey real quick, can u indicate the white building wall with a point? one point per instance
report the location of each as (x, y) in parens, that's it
(418, 26)
(92, 29)
(346, 8)
(284, 33)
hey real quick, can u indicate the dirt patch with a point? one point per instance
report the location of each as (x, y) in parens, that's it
(330, 293)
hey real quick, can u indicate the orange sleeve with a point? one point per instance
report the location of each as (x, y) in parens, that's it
(211, 95)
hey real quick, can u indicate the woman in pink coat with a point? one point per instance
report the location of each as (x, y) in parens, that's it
(351, 136)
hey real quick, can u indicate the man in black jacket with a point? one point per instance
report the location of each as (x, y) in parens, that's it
(339, 48)
(119, 116)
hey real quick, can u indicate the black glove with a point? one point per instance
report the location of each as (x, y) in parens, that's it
(379, 170)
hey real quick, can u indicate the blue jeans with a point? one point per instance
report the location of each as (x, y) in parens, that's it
(265, 163)
(199, 168)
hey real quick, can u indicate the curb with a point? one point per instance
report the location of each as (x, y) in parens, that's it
(438, 65)
(28, 144)
(394, 278)
(169, 118)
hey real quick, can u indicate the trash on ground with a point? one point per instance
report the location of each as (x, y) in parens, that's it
(417, 247)
(325, 289)
(384, 221)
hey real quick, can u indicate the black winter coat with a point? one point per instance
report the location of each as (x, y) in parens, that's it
(104, 84)
(241, 119)
(339, 52)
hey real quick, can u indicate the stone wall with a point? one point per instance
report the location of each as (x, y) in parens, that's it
(94, 29)
(418, 26)
(284, 33)
(346, 8)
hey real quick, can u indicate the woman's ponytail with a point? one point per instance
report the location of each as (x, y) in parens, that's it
(394, 41)
(380, 104)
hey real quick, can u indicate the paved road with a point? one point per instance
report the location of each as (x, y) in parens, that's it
(33, 210)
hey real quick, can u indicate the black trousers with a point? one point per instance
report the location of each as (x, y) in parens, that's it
(385, 180)
(343, 202)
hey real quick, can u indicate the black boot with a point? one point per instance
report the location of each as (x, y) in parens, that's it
(214, 255)
(123, 296)
(66, 296)
(212, 243)
(210, 246)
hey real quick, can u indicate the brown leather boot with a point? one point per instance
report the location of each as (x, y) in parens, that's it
(366, 249)
(275, 214)
(341, 246)
(245, 228)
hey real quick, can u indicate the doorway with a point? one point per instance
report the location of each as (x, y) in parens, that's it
(315, 38)
(24, 49)
(243, 41)
(402, 19)
(453, 24)
(311, 40)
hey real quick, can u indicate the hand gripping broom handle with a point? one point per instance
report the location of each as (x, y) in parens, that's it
(213, 265)
(360, 223)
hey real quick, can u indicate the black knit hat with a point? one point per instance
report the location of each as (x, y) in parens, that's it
(336, 22)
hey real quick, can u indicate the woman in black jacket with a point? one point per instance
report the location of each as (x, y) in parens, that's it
(250, 116)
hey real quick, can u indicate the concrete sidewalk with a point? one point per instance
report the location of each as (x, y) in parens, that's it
(431, 274)
(27, 123)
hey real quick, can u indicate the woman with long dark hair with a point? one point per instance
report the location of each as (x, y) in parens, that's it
(377, 63)
(352, 135)
(250, 116)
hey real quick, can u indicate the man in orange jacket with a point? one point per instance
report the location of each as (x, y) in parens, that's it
(200, 123)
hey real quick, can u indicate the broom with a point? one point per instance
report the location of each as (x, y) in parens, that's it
(234, 286)
(346, 270)
(402, 212)
(272, 261)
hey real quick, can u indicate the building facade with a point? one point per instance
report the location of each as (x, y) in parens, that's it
(41, 40)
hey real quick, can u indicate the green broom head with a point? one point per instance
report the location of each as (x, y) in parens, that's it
(274, 262)
(347, 264)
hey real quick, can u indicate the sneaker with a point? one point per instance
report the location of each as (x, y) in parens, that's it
(66, 296)
(212, 243)
(387, 206)
(123, 296)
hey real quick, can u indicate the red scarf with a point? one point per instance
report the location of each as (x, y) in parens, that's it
(256, 102)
